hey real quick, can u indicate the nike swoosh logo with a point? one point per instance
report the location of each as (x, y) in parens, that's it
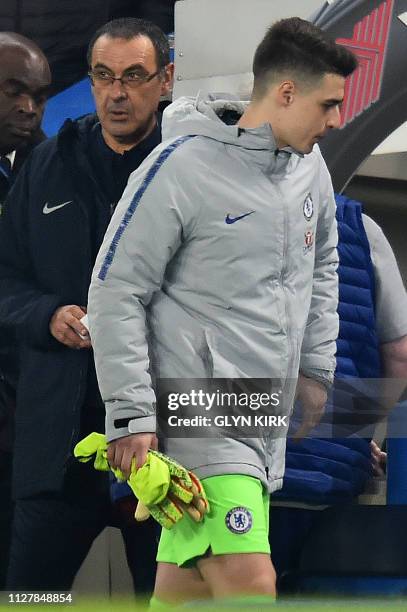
(49, 209)
(229, 220)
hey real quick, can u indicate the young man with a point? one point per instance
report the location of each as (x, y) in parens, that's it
(51, 229)
(225, 243)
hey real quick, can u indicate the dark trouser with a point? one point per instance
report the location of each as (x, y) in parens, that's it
(6, 513)
(289, 531)
(53, 532)
(7, 410)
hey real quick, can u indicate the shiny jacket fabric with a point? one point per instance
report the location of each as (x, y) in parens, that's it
(228, 246)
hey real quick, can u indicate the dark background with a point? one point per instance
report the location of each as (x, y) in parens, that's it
(63, 28)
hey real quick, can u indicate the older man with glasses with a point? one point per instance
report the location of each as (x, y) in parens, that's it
(49, 237)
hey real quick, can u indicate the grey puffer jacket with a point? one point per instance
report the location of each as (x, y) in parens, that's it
(220, 262)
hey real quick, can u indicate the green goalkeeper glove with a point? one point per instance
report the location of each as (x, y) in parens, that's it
(184, 492)
(164, 488)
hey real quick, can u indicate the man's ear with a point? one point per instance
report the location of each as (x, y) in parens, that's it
(285, 92)
(168, 76)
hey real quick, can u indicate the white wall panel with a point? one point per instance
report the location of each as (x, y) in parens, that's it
(215, 40)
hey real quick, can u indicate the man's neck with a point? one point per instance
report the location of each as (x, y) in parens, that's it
(251, 118)
(121, 145)
(258, 114)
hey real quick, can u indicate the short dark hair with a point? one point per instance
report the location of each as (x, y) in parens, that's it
(131, 27)
(297, 46)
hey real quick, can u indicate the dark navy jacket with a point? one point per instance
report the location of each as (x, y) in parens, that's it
(47, 237)
(8, 350)
(335, 469)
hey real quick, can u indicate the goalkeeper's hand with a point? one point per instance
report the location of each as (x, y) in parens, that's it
(122, 452)
(164, 488)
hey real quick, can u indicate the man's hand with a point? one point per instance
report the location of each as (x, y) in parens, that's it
(120, 453)
(312, 396)
(66, 327)
(379, 459)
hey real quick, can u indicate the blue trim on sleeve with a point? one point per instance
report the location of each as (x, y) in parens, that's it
(134, 203)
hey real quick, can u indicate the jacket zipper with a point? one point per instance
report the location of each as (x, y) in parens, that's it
(77, 407)
(268, 469)
(75, 412)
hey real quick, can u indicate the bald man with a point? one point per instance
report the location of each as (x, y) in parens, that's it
(25, 78)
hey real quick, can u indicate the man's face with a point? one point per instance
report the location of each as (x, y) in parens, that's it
(24, 82)
(127, 113)
(312, 113)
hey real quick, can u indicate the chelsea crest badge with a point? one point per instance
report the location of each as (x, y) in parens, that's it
(308, 207)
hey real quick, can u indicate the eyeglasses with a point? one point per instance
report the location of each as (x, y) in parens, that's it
(132, 80)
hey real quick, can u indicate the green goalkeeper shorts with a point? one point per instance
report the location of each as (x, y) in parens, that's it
(238, 522)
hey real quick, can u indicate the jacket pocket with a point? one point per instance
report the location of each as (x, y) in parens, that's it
(220, 359)
(177, 344)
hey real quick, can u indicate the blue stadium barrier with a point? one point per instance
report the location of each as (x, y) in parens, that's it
(73, 102)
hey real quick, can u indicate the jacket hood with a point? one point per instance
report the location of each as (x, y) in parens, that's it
(210, 115)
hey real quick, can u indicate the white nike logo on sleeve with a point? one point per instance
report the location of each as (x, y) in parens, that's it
(49, 209)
